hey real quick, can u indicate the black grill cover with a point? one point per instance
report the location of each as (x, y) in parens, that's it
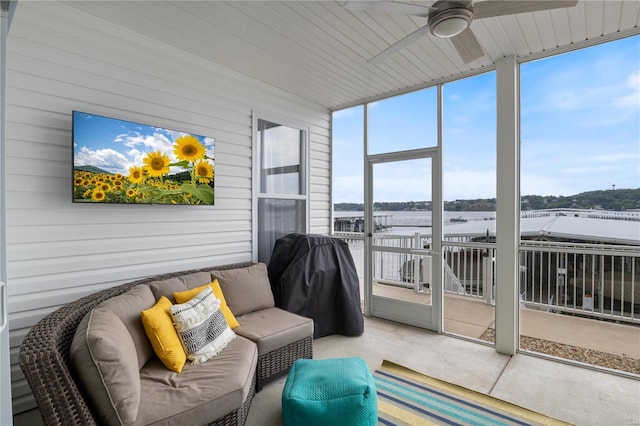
(314, 276)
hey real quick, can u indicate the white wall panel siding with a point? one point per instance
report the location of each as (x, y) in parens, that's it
(61, 59)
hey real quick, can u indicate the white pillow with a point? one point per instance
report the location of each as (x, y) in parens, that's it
(201, 326)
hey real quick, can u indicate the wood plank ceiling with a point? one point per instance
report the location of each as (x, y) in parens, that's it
(318, 50)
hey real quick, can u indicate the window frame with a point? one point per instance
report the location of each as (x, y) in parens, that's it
(257, 173)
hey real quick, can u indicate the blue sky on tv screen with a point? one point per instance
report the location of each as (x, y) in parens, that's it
(580, 130)
(116, 145)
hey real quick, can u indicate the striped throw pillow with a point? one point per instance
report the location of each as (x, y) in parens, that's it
(201, 326)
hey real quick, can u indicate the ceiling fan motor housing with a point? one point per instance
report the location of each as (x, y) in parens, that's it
(450, 18)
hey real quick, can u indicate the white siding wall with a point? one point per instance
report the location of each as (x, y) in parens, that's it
(60, 60)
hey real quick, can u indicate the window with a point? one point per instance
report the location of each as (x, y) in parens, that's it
(281, 206)
(580, 127)
(404, 122)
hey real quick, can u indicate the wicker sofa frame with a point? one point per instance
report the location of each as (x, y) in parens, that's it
(46, 363)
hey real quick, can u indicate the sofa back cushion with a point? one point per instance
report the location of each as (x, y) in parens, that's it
(169, 286)
(245, 289)
(127, 308)
(104, 359)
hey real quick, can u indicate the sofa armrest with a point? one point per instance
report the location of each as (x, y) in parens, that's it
(45, 361)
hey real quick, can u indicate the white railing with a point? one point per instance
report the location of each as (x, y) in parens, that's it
(473, 264)
(590, 280)
(396, 265)
(451, 282)
(593, 280)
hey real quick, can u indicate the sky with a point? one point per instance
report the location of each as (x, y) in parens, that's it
(116, 145)
(580, 131)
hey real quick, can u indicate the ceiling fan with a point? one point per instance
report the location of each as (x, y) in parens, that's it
(452, 19)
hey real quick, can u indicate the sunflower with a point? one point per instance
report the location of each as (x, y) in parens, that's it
(131, 192)
(203, 171)
(105, 187)
(97, 195)
(189, 148)
(136, 174)
(156, 164)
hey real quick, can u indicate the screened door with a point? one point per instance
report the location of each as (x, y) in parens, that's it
(403, 278)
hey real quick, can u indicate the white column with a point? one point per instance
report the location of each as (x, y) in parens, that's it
(368, 215)
(6, 417)
(437, 206)
(508, 206)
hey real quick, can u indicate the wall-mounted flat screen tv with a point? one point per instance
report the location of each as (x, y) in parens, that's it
(122, 162)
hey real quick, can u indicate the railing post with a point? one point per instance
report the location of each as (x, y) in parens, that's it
(601, 286)
(417, 260)
(487, 276)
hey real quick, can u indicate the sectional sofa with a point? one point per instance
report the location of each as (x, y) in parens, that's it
(92, 362)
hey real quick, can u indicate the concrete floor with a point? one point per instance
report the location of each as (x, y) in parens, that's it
(574, 394)
(470, 317)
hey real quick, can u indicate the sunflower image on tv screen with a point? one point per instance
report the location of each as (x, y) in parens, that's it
(122, 162)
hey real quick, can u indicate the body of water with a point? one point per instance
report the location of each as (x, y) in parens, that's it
(418, 218)
(409, 222)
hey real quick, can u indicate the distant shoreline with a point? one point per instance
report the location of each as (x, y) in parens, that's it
(611, 199)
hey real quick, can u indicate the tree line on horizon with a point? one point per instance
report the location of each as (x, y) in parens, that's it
(611, 199)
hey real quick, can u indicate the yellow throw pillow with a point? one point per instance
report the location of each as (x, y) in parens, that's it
(184, 296)
(163, 335)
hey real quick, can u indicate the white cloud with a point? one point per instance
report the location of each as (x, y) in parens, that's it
(348, 189)
(632, 99)
(465, 184)
(107, 159)
(136, 156)
(210, 143)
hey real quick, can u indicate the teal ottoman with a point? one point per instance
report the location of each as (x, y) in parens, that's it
(336, 392)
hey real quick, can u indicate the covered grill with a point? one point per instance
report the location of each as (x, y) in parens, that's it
(314, 276)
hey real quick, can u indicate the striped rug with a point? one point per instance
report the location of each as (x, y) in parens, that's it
(406, 397)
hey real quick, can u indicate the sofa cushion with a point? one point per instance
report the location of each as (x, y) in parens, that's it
(169, 286)
(273, 328)
(127, 307)
(163, 336)
(105, 361)
(201, 326)
(184, 296)
(201, 393)
(166, 288)
(246, 289)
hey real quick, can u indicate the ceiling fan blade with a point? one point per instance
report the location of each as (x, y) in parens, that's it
(467, 46)
(388, 7)
(400, 44)
(489, 8)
